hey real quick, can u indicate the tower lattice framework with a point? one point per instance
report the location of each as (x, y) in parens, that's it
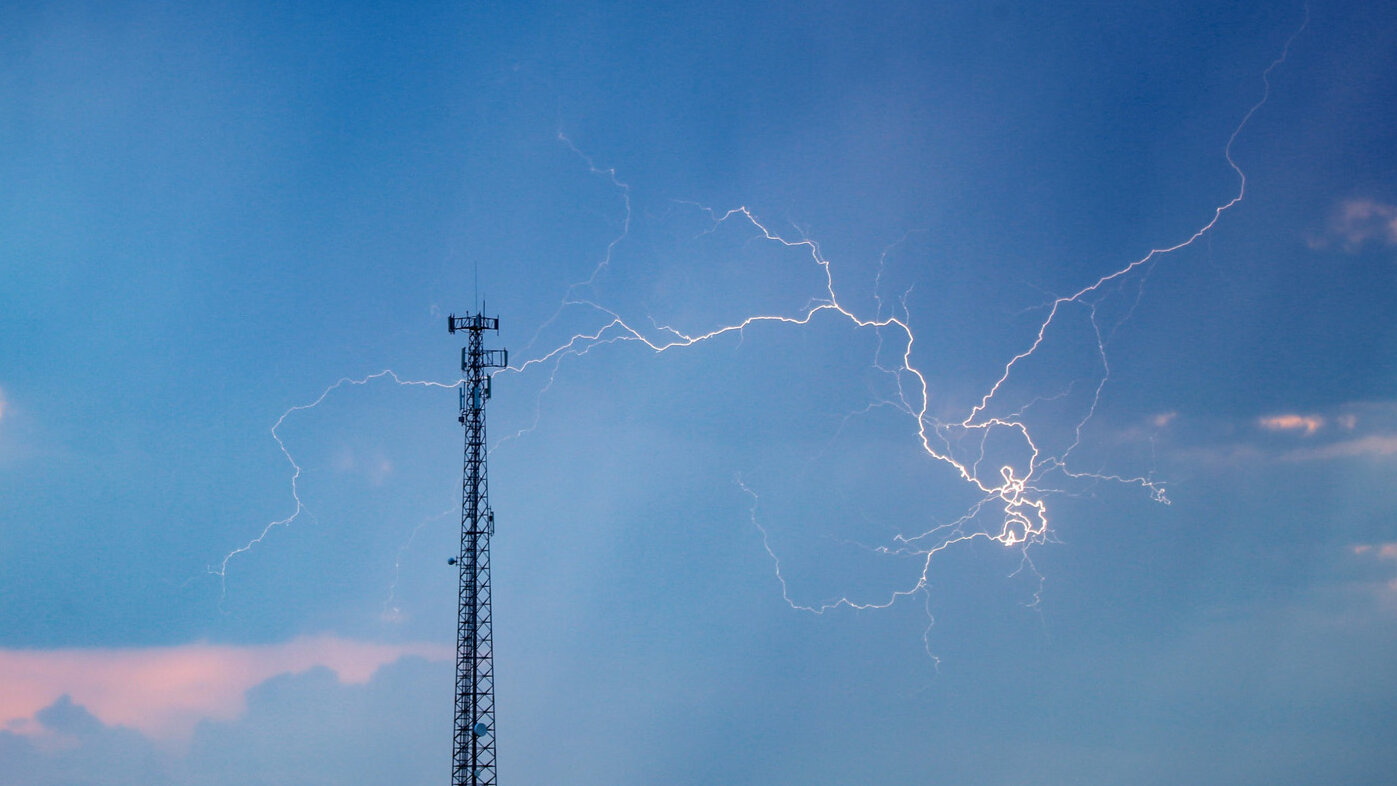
(473, 758)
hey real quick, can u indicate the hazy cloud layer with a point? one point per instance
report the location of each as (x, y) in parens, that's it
(308, 728)
(165, 691)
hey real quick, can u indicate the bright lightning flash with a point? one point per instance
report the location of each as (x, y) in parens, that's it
(1011, 495)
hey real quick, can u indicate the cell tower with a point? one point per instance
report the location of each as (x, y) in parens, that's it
(473, 758)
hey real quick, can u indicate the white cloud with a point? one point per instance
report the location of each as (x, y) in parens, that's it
(375, 468)
(1163, 419)
(1357, 222)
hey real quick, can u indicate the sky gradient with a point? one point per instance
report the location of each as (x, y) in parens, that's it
(230, 464)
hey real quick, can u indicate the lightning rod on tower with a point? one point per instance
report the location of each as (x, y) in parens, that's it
(473, 758)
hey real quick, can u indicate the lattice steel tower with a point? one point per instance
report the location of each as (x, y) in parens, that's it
(473, 759)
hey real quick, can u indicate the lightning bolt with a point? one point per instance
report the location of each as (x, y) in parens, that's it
(1012, 496)
(1015, 495)
(299, 506)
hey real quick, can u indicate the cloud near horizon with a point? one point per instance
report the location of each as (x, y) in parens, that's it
(165, 691)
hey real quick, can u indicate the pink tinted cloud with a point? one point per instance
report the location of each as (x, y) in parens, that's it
(1292, 422)
(165, 691)
(1379, 550)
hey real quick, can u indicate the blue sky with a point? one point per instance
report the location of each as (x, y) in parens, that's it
(214, 216)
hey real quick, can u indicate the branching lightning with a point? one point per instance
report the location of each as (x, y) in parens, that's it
(1011, 495)
(1015, 494)
(300, 507)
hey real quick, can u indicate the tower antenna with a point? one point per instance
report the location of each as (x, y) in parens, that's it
(473, 756)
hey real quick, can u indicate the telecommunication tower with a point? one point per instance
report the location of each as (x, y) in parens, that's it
(473, 758)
